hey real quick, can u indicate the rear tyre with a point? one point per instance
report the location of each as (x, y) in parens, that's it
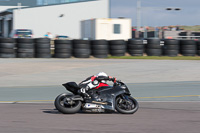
(66, 107)
(126, 106)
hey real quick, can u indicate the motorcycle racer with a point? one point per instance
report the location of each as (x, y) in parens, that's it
(112, 98)
(95, 82)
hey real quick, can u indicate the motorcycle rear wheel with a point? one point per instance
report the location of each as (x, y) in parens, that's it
(126, 106)
(64, 106)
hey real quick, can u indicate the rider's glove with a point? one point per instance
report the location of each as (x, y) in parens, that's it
(114, 79)
(109, 78)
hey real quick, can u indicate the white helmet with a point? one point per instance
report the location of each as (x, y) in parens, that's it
(102, 74)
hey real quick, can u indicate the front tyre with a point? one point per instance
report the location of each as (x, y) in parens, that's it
(66, 106)
(126, 104)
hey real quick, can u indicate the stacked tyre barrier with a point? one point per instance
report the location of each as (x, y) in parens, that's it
(25, 48)
(153, 47)
(117, 47)
(63, 48)
(135, 47)
(42, 48)
(188, 47)
(81, 48)
(198, 48)
(100, 48)
(171, 47)
(7, 48)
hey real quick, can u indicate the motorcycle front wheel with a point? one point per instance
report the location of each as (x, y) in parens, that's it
(65, 106)
(126, 104)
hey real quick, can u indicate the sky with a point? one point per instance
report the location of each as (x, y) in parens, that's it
(154, 14)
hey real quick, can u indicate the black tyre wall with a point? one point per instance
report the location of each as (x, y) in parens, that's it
(7, 48)
(7, 55)
(135, 41)
(153, 41)
(42, 41)
(188, 52)
(171, 53)
(25, 48)
(187, 42)
(62, 55)
(117, 47)
(81, 48)
(25, 40)
(153, 47)
(63, 41)
(100, 48)
(7, 45)
(42, 48)
(198, 52)
(171, 42)
(135, 47)
(171, 47)
(188, 47)
(198, 45)
(198, 48)
(25, 55)
(26, 45)
(7, 40)
(63, 48)
(154, 52)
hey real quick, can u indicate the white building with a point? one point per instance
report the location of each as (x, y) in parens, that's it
(106, 28)
(62, 18)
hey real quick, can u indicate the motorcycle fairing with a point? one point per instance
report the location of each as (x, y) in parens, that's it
(108, 95)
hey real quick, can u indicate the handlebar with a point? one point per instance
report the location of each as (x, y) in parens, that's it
(113, 79)
(119, 83)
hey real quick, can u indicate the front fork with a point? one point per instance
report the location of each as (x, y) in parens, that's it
(125, 99)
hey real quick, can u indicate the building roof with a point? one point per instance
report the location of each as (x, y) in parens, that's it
(10, 10)
(33, 3)
(6, 12)
(15, 2)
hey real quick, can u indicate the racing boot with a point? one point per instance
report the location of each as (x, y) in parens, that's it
(83, 93)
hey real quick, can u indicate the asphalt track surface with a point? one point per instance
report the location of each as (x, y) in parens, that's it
(168, 93)
(152, 117)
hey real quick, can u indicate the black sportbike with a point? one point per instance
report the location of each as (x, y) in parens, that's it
(104, 99)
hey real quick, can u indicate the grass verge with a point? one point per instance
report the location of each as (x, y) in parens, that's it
(156, 57)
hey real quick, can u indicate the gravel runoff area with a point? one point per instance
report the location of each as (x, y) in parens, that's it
(43, 72)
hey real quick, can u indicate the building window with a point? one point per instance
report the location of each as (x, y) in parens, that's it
(117, 28)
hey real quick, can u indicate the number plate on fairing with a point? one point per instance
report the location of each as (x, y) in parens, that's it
(92, 106)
